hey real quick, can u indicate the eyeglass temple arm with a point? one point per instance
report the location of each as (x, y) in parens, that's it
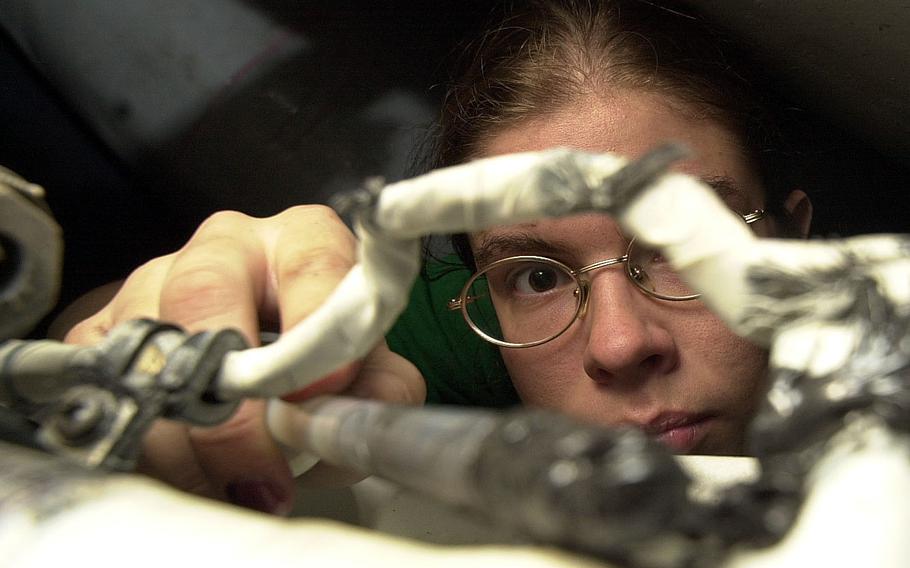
(455, 304)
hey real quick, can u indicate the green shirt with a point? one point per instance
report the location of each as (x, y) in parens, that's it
(458, 366)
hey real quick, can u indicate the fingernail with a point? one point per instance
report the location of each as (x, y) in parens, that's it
(259, 496)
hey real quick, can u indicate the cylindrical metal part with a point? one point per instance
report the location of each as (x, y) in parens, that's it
(36, 372)
(31, 255)
(432, 450)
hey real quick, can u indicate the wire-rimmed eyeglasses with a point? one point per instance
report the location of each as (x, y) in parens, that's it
(523, 301)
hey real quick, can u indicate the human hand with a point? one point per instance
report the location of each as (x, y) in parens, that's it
(247, 273)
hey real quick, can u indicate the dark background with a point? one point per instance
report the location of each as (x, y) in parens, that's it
(247, 152)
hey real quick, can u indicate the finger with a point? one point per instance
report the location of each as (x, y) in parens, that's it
(169, 456)
(91, 330)
(138, 297)
(243, 463)
(311, 252)
(83, 308)
(389, 377)
(219, 279)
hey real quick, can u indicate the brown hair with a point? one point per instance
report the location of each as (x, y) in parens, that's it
(542, 53)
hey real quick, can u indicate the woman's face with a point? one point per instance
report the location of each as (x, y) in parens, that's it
(673, 369)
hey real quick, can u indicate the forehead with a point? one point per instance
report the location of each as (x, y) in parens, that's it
(630, 123)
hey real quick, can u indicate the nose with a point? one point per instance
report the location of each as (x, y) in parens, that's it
(626, 340)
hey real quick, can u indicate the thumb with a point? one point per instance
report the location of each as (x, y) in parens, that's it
(386, 375)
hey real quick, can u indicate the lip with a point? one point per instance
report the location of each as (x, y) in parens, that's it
(681, 432)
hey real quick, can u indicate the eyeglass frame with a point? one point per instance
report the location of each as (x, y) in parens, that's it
(583, 288)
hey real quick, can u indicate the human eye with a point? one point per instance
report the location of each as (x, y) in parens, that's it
(530, 279)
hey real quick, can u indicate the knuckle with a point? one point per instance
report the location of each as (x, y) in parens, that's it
(145, 272)
(311, 212)
(223, 221)
(412, 388)
(315, 262)
(320, 219)
(198, 287)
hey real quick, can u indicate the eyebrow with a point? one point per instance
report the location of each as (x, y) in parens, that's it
(495, 247)
(723, 186)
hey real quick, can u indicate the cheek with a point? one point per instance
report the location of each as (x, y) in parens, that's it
(731, 369)
(542, 376)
